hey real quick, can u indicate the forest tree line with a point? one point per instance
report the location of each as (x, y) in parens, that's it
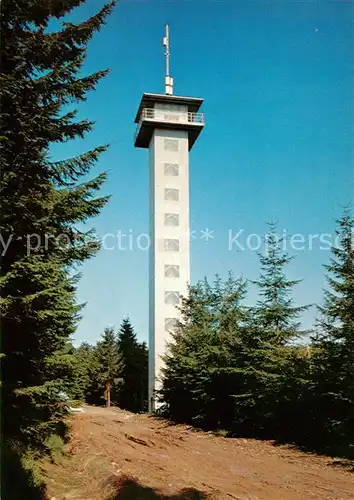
(252, 371)
(113, 371)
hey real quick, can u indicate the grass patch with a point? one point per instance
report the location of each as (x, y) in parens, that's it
(75, 403)
(55, 446)
(21, 477)
(222, 432)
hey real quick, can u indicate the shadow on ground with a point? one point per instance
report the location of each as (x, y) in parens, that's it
(17, 483)
(344, 464)
(129, 489)
(340, 457)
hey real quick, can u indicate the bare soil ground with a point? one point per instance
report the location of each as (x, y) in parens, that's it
(115, 455)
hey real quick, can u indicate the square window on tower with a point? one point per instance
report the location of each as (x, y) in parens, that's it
(171, 194)
(171, 144)
(172, 298)
(171, 169)
(172, 220)
(171, 245)
(171, 271)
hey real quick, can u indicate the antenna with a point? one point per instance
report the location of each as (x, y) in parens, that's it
(168, 78)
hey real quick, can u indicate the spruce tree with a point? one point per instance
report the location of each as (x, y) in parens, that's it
(90, 380)
(43, 204)
(132, 393)
(333, 359)
(84, 370)
(267, 359)
(109, 364)
(275, 311)
(144, 354)
(199, 374)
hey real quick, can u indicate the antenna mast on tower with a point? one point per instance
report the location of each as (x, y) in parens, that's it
(168, 78)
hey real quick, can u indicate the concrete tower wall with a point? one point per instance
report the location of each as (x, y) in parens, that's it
(169, 232)
(168, 125)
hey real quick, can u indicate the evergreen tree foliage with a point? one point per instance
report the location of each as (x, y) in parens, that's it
(256, 362)
(333, 359)
(132, 394)
(124, 357)
(42, 204)
(273, 374)
(144, 376)
(239, 369)
(232, 367)
(109, 364)
(275, 311)
(199, 370)
(84, 373)
(93, 389)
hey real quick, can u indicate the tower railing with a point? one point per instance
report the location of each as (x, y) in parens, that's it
(164, 115)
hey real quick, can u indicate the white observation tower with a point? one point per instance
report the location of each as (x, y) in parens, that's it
(168, 125)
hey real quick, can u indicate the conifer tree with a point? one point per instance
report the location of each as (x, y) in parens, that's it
(275, 311)
(84, 361)
(42, 204)
(144, 350)
(199, 373)
(132, 393)
(333, 397)
(266, 360)
(109, 363)
(86, 357)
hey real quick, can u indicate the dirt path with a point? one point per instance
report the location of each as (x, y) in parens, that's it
(116, 455)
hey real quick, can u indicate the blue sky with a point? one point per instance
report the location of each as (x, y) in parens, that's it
(278, 83)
